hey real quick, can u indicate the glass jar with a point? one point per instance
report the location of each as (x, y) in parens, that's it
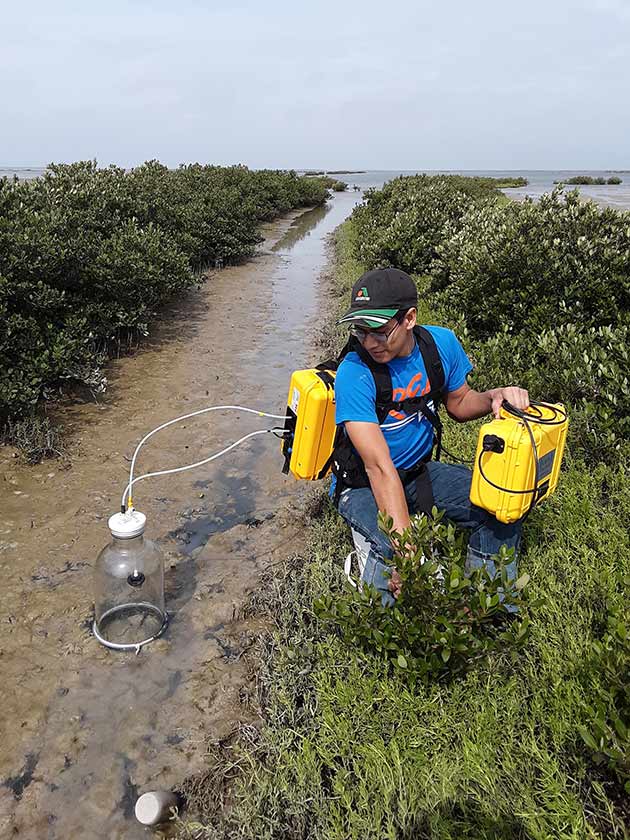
(129, 606)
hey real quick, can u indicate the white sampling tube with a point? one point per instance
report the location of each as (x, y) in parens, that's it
(126, 501)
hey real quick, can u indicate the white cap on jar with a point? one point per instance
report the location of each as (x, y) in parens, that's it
(126, 525)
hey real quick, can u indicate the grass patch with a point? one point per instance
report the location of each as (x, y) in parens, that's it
(349, 751)
(35, 438)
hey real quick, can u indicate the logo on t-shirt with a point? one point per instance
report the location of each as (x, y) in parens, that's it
(412, 390)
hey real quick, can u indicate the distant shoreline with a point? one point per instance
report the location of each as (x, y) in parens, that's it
(334, 171)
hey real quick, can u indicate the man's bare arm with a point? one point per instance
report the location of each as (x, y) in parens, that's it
(368, 440)
(467, 404)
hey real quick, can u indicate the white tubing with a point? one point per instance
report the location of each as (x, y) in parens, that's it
(133, 480)
(197, 463)
(127, 492)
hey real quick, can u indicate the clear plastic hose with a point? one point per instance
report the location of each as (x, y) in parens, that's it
(126, 497)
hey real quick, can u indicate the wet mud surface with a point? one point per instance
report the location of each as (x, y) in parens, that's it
(85, 730)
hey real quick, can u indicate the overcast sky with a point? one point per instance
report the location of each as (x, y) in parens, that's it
(410, 84)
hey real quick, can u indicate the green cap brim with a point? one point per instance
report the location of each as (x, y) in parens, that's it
(371, 318)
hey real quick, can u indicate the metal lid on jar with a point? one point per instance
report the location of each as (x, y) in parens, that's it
(126, 525)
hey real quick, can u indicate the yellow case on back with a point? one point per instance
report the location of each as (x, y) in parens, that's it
(514, 468)
(310, 422)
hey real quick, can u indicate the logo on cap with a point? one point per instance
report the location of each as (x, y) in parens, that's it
(362, 294)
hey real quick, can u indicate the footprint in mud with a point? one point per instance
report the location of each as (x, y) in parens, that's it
(211, 631)
(51, 578)
(231, 651)
(18, 784)
(174, 681)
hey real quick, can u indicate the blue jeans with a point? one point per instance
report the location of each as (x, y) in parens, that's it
(451, 493)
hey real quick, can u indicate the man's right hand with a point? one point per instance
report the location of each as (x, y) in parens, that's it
(395, 583)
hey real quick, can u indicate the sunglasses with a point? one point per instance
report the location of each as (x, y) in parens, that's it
(382, 337)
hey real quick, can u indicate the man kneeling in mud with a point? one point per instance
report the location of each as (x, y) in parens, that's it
(384, 460)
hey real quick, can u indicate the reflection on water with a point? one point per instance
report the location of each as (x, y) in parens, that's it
(301, 227)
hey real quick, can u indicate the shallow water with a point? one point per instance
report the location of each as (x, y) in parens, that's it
(85, 729)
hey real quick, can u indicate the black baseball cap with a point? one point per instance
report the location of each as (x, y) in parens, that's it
(378, 295)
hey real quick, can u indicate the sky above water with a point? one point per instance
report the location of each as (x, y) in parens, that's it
(408, 84)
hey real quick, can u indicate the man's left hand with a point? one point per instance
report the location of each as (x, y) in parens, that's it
(518, 397)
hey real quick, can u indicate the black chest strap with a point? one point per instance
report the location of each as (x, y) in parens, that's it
(427, 403)
(346, 464)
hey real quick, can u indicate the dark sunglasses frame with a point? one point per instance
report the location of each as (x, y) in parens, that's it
(361, 333)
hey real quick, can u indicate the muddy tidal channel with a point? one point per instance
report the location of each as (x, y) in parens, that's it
(85, 730)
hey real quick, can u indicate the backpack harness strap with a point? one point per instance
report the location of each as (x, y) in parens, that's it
(346, 463)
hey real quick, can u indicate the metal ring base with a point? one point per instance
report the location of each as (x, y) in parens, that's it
(131, 645)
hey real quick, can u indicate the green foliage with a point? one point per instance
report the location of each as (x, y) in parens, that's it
(544, 292)
(339, 186)
(88, 255)
(402, 224)
(586, 368)
(540, 290)
(443, 619)
(614, 179)
(536, 265)
(310, 192)
(607, 732)
(504, 183)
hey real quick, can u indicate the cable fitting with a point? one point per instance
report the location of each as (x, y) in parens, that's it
(493, 443)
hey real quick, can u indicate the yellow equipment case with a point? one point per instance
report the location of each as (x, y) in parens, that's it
(310, 424)
(518, 459)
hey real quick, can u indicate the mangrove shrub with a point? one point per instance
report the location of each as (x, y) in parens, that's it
(88, 255)
(536, 264)
(541, 290)
(444, 618)
(403, 224)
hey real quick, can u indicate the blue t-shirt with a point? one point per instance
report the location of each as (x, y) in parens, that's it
(409, 437)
